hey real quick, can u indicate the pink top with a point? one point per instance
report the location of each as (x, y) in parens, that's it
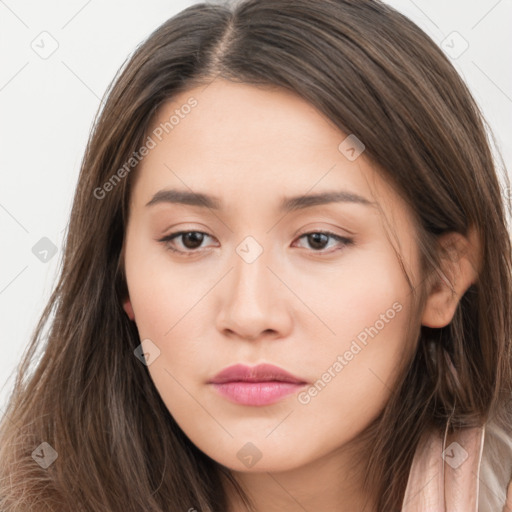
(445, 477)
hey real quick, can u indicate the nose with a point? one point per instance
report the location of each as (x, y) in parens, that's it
(254, 302)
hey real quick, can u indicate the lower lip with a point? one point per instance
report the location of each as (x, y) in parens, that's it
(256, 393)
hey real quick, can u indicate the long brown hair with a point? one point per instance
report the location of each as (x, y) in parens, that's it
(373, 73)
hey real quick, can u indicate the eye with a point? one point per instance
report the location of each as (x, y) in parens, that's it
(319, 239)
(189, 240)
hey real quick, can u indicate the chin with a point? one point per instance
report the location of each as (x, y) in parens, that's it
(255, 456)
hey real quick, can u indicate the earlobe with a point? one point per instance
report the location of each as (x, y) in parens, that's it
(127, 306)
(459, 270)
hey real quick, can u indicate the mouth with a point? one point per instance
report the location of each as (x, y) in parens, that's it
(259, 385)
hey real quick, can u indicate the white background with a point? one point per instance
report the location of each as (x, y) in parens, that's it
(47, 107)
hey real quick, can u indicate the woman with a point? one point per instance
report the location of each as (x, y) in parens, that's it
(286, 282)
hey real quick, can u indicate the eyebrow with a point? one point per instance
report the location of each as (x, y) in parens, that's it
(287, 204)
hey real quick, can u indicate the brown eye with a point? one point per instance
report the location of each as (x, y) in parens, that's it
(318, 240)
(192, 239)
(187, 241)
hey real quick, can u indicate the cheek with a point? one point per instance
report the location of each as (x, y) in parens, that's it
(161, 294)
(365, 298)
(167, 304)
(368, 308)
(367, 305)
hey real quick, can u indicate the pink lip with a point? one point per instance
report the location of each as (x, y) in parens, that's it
(263, 384)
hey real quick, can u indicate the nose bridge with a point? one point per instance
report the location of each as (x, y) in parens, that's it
(251, 276)
(250, 304)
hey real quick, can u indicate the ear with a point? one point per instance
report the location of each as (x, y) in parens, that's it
(459, 270)
(127, 306)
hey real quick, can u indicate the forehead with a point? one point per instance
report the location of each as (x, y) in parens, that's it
(247, 123)
(244, 143)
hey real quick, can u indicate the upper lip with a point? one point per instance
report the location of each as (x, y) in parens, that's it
(259, 373)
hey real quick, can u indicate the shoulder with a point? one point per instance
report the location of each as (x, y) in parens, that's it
(469, 470)
(496, 469)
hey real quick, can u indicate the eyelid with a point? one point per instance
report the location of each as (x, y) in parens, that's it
(313, 227)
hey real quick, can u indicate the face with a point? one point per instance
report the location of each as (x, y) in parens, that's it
(250, 277)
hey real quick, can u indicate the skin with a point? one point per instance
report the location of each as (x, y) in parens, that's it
(298, 305)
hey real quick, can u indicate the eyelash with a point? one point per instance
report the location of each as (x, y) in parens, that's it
(166, 240)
